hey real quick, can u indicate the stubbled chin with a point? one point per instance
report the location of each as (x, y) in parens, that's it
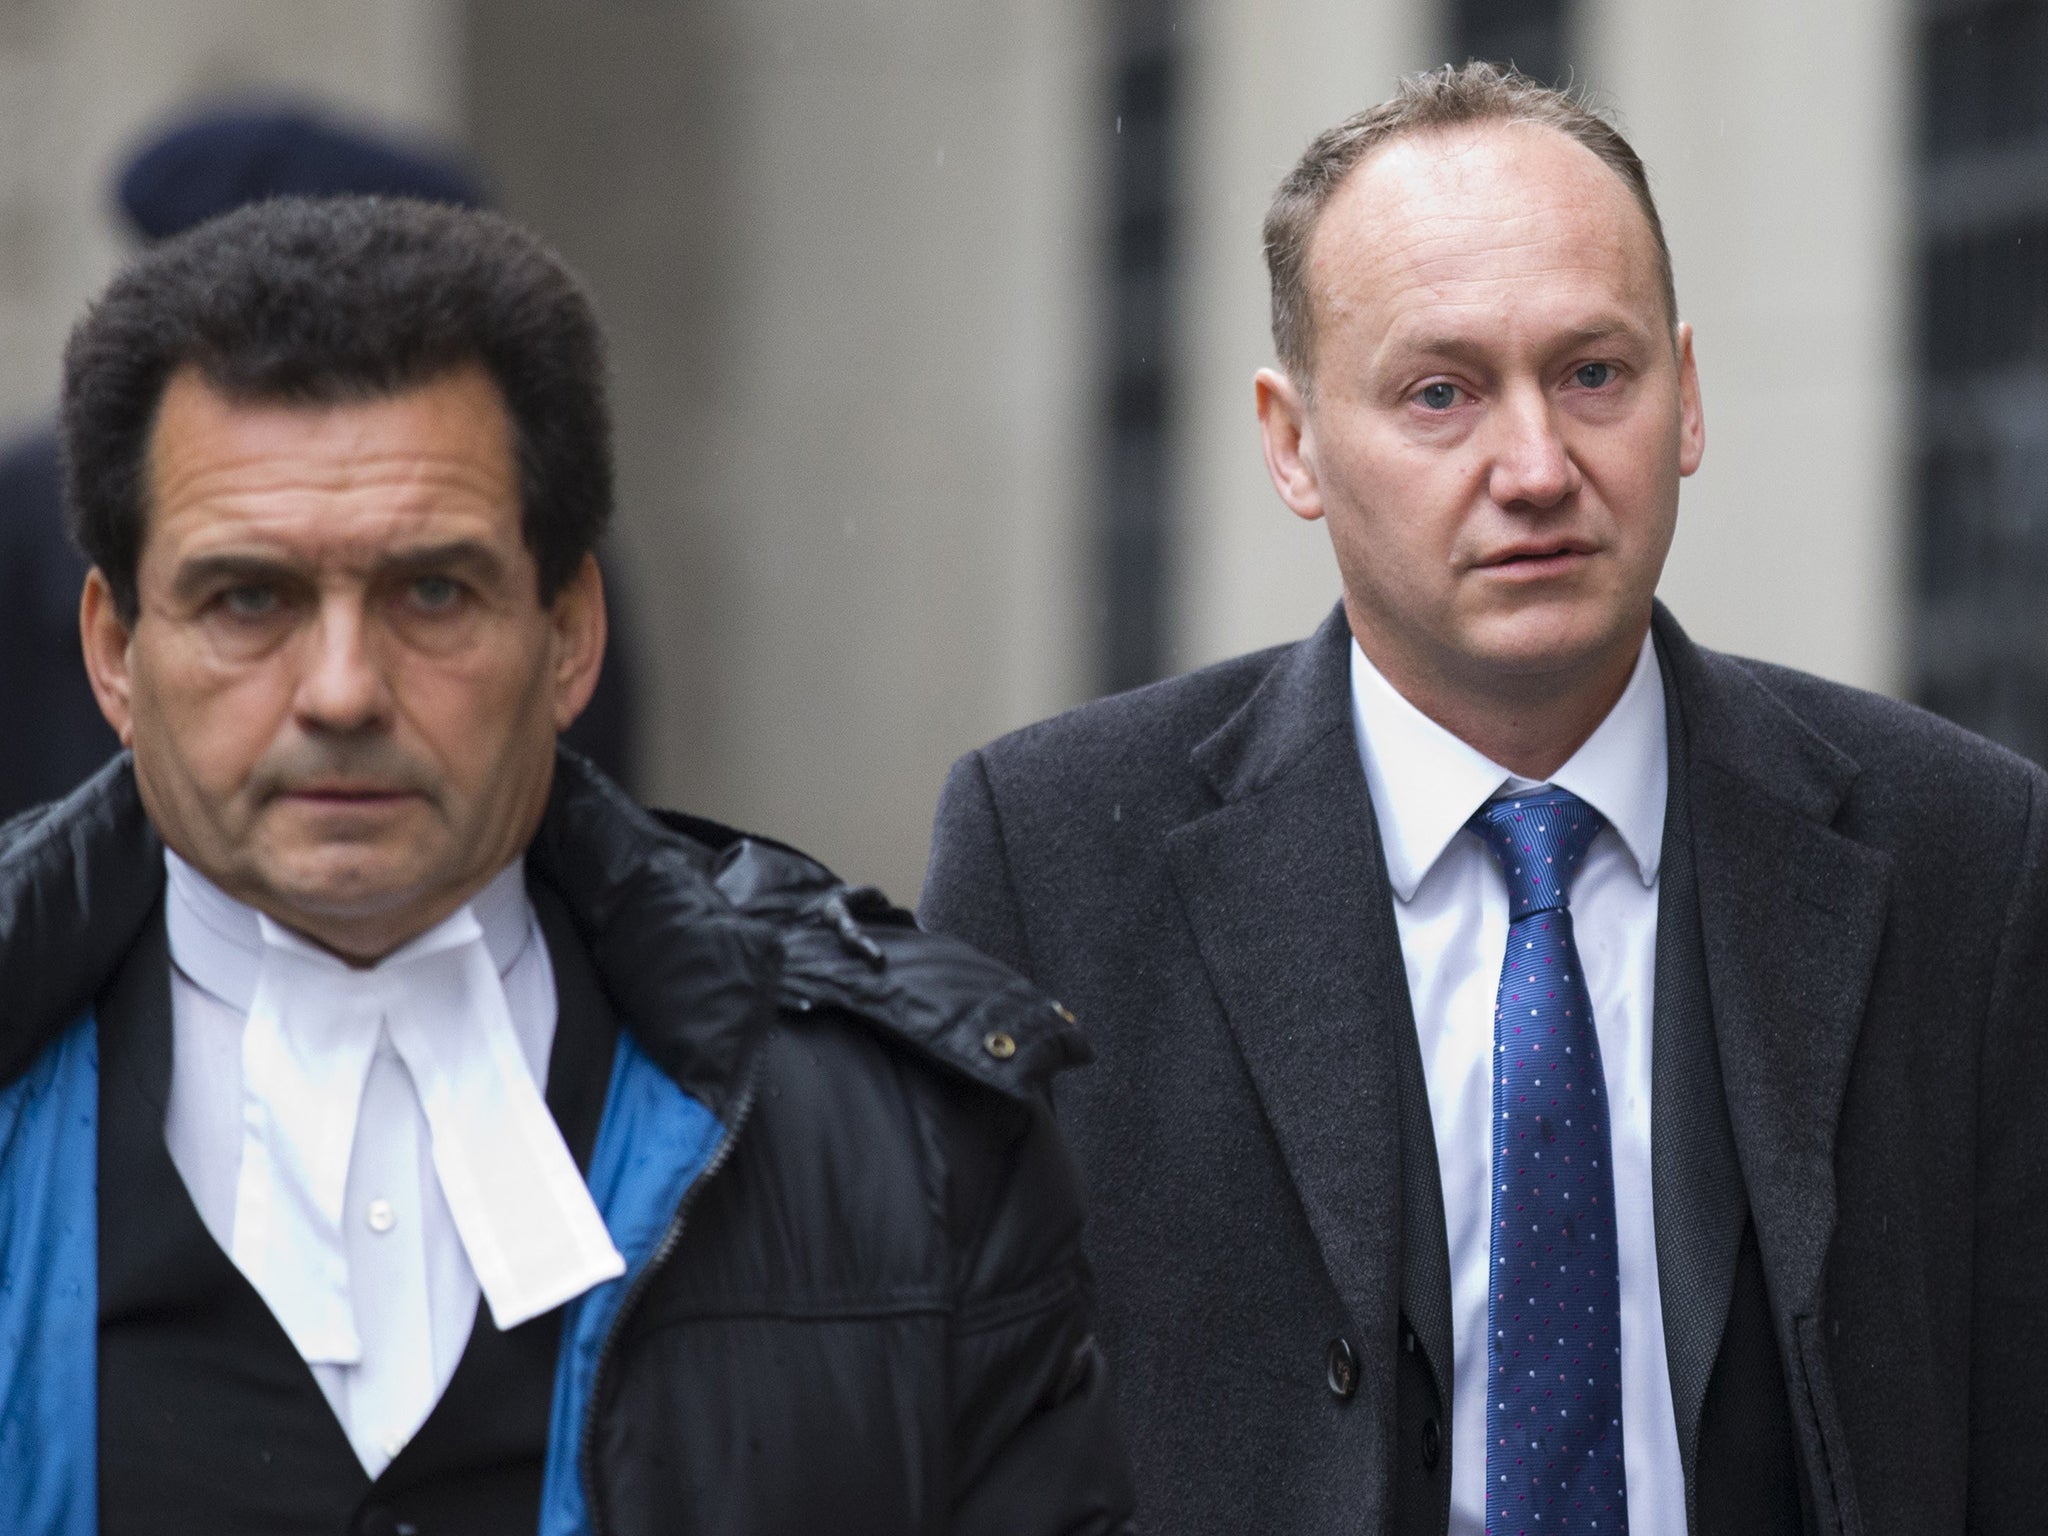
(1551, 640)
(348, 881)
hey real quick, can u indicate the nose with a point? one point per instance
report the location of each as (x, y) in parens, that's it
(1532, 468)
(343, 687)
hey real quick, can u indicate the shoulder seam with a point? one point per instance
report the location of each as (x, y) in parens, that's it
(1002, 840)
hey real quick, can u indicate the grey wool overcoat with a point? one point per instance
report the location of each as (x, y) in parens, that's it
(1850, 1097)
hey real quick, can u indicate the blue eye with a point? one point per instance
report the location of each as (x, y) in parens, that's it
(435, 594)
(1438, 397)
(1593, 375)
(250, 602)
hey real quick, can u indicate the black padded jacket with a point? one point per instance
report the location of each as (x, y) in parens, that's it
(871, 1313)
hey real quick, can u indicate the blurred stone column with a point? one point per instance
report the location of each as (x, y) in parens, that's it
(82, 80)
(1779, 140)
(848, 258)
(1265, 76)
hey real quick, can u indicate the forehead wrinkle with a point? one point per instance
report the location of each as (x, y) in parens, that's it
(1473, 315)
(259, 470)
(437, 446)
(1408, 215)
(357, 531)
(1436, 251)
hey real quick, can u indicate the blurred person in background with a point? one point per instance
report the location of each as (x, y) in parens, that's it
(203, 166)
(1554, 1078)
(403, 1131)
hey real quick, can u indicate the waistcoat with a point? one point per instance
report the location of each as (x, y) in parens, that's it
(208, 1419)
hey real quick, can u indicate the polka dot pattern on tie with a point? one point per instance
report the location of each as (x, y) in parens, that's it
(1553, 1414)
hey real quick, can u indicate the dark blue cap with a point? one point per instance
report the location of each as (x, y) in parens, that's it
(216, 162)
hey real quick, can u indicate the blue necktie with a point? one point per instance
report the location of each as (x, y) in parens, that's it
(1553, 1315)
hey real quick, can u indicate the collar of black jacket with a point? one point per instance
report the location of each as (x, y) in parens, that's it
(699, 934)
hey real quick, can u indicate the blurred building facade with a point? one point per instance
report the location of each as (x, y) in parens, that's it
(82, 81)
(1980, 546)
(934, 326)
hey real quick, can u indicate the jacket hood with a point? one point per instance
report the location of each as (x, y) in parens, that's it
(848, 947)
(78, 878)
(690, 975)
(698, 933)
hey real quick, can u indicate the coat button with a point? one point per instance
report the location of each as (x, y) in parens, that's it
(1000, 1045)
(1432, 1444)
(1341, 1367)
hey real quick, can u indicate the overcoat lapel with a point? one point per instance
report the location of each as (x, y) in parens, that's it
(1285, 889)
(1699, 1206)
(1791, 915)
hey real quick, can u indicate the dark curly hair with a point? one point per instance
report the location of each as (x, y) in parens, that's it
(335, 299)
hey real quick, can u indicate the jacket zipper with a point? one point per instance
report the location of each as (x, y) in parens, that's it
(586, 1456)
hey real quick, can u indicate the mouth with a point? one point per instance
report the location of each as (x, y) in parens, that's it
(347, 796)
(1534, 560)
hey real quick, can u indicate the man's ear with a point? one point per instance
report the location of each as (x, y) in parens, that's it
(1289, 442)
(1692, 416)
(578, 619)
(104, 636)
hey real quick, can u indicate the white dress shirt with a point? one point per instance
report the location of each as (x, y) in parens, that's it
(1451, 910)
(380, 1299)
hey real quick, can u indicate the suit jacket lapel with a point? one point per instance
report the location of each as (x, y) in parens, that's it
(1695, 1174)
(1286, 891)
(1791, 915)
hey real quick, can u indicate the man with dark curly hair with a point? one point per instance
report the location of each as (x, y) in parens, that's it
(401, 1130)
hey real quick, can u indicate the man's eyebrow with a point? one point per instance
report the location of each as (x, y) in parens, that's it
(1598, 332)
(229, 569)
(1470, 349)
(233, 567)
(1457, 349)
(471, 553)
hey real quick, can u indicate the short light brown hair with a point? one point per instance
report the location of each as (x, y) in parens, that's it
(1426, 103)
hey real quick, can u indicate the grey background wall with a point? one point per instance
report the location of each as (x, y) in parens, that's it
(81, 79)
(1778, 140)
(853, 257)
(845, 255)
(1780, 137)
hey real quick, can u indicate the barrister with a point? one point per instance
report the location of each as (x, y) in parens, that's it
(1553, 1077)
(402, 1132)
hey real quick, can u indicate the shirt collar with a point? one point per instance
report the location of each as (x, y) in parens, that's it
(217, 941)
(1426, 782)
(312, 1027)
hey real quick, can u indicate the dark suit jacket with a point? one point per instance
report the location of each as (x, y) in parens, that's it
(1850, 1096)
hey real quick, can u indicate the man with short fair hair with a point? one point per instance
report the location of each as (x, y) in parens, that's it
(1553, 1078)
(401, 1131)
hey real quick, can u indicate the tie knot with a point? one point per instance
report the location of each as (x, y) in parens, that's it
(1540, 840)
